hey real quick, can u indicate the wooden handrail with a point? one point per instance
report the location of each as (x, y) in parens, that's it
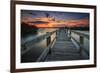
(45, 52)
(81, 46)
(41, 37)
(81, 34)
(48, 49)
(34, 40)
(81, 40)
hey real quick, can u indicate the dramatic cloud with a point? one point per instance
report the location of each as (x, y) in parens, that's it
(54, 19)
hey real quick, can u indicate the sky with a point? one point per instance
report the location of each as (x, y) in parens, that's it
(54, 19)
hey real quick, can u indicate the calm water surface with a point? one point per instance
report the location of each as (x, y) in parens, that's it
(39, 47)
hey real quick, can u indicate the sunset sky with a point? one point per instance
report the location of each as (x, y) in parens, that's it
(54, 19)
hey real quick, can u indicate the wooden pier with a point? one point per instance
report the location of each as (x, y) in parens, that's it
(61, 48)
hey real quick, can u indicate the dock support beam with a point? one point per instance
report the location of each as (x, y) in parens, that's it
(48, 42)
(81, 43)
(69, 33)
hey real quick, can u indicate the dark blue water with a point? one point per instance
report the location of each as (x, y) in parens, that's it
(38, 47)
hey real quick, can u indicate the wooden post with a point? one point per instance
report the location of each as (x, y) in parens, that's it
(48, 42)
(69, 33)
(81, 43)
(48, 39)
(56, 33)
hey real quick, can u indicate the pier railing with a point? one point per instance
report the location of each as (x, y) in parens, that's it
(27, 45)
(81, 40)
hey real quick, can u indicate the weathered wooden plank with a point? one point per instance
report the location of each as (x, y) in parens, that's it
(63, 49)
(81, 33)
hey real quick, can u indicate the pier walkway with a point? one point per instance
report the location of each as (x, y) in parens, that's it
(63, 49)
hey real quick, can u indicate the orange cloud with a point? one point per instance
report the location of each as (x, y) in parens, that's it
(79, 22)
(54, 23)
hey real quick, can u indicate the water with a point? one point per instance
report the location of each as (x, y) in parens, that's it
(85, 41)
(41, 45)
(37, 47)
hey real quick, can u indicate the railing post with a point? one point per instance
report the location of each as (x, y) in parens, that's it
(56, 33)
(81, 43)
(48, 39)
(66, 30)
(69, 33)
(48, 42)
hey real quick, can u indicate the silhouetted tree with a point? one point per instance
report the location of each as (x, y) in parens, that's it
(26, 29)
(47, 15)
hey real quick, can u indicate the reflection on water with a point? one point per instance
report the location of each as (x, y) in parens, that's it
(86, 40)
(38, 47)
